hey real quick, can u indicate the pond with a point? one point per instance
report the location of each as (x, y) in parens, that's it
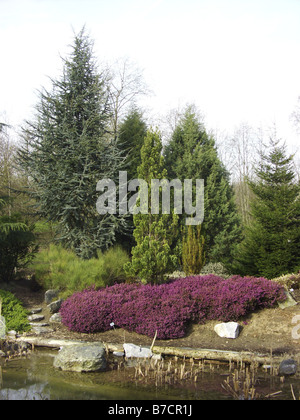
(34, 378)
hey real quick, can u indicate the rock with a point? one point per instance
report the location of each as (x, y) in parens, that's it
(39, 324)
(2, 328)
(131, 350)
(23, 346)
(288, 302)
(227, 330)
(55, 306)
(288, 367)
(41, 329)
(36, 318)
(50, 295)
(118, 353)
(2, 354)
(55, 318)
(36, 311)
(81, 358)
(12, 334)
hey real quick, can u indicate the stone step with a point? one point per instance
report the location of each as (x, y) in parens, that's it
(39, 324)
(35, 311)
(40, 330)
(36, 318)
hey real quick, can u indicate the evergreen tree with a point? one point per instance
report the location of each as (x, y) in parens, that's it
(152, 257)
(17, 243)
(68, 150)
(193, 256)
(192, 154)
(272, 242)
(132, 133)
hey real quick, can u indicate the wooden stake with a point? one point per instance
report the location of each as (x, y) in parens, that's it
(153, 341)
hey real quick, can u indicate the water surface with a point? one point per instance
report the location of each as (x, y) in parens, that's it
(35, 378)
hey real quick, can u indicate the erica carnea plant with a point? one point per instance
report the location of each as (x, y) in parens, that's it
(168, 308)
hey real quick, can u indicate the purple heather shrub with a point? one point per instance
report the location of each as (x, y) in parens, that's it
(168, 308)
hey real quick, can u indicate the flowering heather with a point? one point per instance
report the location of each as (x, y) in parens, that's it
(168, 308)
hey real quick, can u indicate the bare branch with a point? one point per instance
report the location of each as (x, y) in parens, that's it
(126, 86)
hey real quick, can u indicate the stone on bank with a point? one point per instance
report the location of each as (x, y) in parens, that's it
(288, 367)
(81, 358)
(132, 350)
(228, 330)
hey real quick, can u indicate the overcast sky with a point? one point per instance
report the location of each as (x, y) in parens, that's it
(237, 60)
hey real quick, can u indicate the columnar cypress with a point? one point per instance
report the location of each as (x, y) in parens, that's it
(152, 256)
(193, 256)
(69, 149)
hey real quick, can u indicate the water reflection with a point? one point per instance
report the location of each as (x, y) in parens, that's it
(32, 392)
(35, 378)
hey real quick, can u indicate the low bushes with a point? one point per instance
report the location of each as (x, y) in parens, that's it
(168, 308)
(289, 281)
(215, 268)
(59, 268)
(14, 313)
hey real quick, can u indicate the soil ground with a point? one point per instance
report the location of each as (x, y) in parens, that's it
(265, 331)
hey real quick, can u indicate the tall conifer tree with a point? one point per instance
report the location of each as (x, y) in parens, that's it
(152, 256)
(132, 133)
(192, 154)
(272, 242)
(68, 150)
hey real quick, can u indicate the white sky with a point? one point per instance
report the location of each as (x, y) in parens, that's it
(237, 60)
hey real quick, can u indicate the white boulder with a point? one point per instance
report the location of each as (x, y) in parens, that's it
(228, 330)
(131, 350)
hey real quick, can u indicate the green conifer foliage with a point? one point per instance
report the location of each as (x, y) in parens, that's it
(68, 150)
(193, 256)
(272, 242)
(132, 132)
(192, 154)
(152, 256)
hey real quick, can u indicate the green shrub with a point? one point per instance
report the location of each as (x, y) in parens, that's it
(217, 269)
(289, 281)
(17, 245)
(14, 313)
(114, 260)
(193, 256)
(59, 268)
